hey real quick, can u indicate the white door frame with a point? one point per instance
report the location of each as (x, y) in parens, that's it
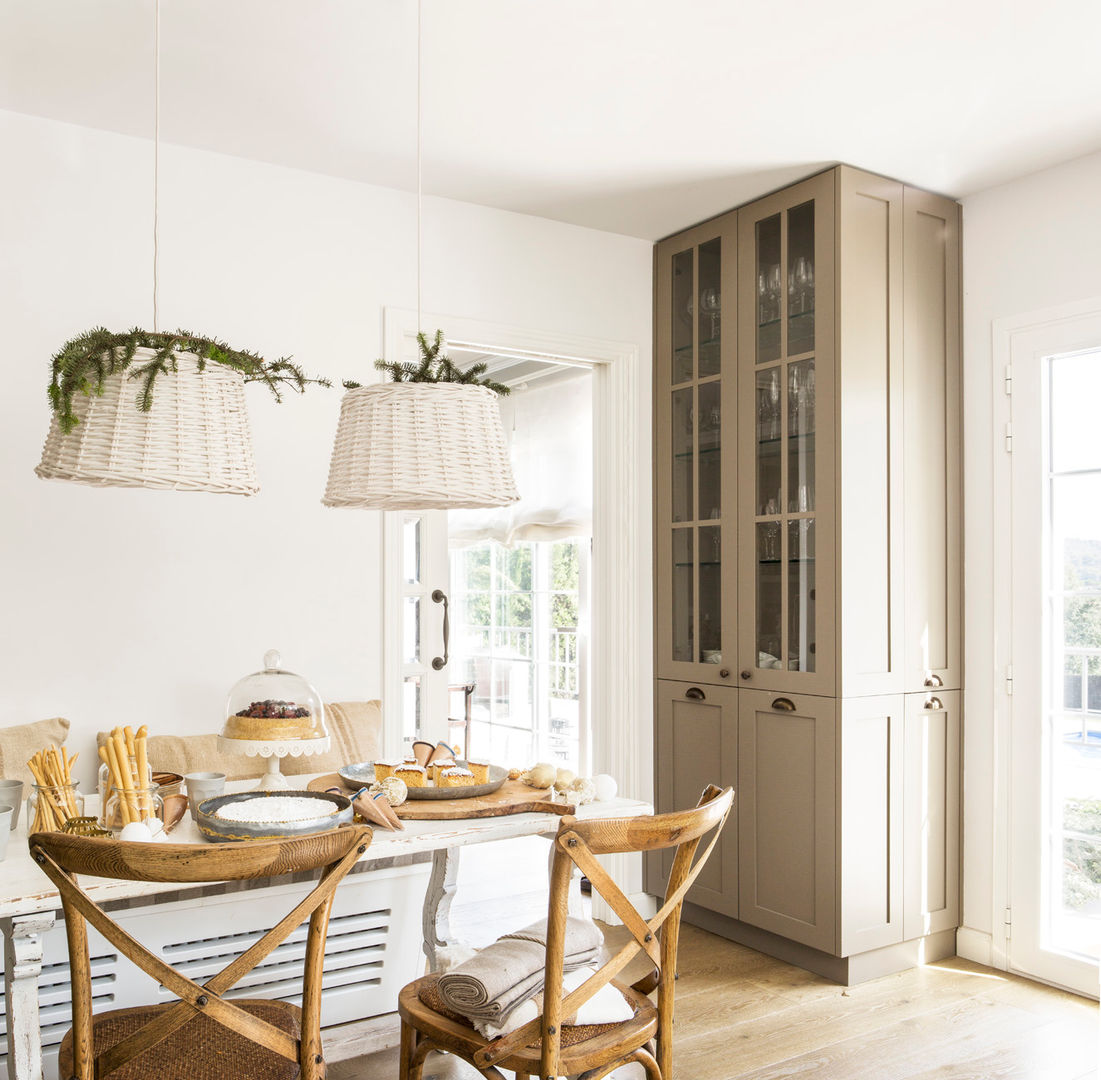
(621, 701)
(1019, 344)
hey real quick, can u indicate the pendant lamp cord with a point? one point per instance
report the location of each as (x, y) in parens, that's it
(420, 191)
(156, 146)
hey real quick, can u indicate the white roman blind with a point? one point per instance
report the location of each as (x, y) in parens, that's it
(549, 426)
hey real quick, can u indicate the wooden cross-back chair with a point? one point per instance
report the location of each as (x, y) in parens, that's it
(203, 1036)
(546, 1046)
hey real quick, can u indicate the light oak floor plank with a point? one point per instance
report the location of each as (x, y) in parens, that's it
(745, 1016)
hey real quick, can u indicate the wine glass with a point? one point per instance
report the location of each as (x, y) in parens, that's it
(711, 304)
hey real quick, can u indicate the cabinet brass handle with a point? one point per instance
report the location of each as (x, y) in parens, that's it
(933, 703)
(933, 679)
(784, 704)
(747, 674)
(695, 693)
(724, 673)
(440, 597)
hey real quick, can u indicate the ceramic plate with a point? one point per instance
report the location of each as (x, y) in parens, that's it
(363, 773)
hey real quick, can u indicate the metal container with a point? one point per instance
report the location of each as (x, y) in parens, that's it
(362, 774)
(218, 829)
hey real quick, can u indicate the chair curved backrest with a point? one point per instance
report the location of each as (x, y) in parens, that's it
(577, 844)
(62, 857)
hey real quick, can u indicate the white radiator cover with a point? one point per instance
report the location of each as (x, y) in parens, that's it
(373, 950)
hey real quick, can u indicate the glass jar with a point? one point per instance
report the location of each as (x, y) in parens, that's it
(49, 807)
(106, 787)
(274, 705)
(126, 806)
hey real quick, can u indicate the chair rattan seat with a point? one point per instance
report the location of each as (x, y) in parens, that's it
(225, 1053)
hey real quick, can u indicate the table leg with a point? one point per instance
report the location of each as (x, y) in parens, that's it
(436, 924)
(22, 966)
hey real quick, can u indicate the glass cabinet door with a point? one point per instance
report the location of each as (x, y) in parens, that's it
(779, 362)
(694, 332)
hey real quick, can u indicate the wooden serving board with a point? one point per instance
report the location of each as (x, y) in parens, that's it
(512, 797)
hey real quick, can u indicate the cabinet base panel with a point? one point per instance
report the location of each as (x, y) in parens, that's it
(846, 970)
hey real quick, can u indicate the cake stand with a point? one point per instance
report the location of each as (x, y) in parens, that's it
(273, 751)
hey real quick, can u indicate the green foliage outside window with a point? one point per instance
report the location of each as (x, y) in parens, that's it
(1081, 857)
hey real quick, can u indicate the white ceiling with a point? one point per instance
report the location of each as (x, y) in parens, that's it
(634, 116)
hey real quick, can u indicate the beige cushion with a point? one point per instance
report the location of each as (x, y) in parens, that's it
(20, 743)
(355, 730)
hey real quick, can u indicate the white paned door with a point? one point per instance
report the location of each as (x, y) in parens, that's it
(1053, 916)
(418, 608)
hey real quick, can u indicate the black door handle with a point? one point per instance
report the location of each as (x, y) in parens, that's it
(440, 597)
(695, 693)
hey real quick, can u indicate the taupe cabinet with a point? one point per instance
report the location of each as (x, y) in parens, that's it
(807, 539)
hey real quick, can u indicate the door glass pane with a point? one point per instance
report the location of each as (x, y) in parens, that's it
(769, 594)
(411, 710)
(1072, 857)
(683, 454)
(411, 630)
(800, 564)
(769, 418)
(800, 268)
(516, 638)
(800, 408)
(769, 293)
(1074, 397)
(683, 595)
(684, 366)
(710, 325)
(710, 595)
(411, 550)
(710, 450)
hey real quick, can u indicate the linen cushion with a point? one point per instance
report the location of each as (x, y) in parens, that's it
(355, 733)
(19, 743)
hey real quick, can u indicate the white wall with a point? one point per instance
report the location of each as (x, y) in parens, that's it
(1028, 245)
(124, 606)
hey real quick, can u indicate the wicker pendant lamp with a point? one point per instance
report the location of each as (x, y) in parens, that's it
(420, 445)
(194, 435)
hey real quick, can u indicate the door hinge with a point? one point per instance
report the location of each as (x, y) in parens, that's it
(1008, 922)
(1009, 378)
(1009, 680)
(1009, 438)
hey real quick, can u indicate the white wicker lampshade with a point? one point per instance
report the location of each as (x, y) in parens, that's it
(420, 446)
(194, 438)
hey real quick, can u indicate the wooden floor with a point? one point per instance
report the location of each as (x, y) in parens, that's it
(744, 1015)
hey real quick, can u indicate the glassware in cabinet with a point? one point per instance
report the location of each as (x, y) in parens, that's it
(786, 239)
(694, 411)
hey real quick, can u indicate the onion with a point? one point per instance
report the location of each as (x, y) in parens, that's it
(542, 775)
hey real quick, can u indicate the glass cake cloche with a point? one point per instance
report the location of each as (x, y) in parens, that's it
(274, 705)
(274, 713)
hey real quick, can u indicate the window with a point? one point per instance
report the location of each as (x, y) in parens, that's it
(518, 621)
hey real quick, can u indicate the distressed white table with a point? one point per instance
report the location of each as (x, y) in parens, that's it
(29, 905)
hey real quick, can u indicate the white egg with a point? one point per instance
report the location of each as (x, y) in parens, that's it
(605, 787)
(136, 832)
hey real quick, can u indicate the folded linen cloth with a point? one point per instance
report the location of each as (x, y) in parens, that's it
(510, 971)
(606, 1006)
